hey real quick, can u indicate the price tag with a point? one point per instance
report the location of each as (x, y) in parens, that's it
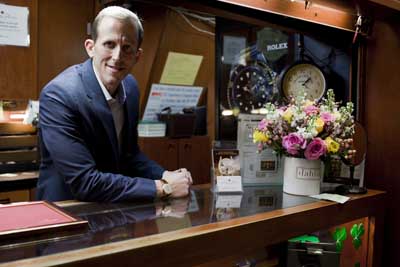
(229, 184)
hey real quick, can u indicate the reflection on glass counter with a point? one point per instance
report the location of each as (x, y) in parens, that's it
(116, 222)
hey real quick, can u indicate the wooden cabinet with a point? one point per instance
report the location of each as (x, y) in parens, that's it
(192, 153)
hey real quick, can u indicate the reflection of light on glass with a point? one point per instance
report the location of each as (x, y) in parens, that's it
(227, 112)
(17, 116)
(255, 111)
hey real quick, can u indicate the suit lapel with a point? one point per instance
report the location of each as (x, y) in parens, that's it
(129, 115)
(99, 105)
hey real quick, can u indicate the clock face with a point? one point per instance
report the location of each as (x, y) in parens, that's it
(250, 88)
(304, 78)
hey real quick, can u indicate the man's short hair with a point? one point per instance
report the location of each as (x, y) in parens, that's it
(119, 13)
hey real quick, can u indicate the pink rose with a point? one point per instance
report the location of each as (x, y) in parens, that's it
(311, 110)
(315, 149)
(293, 142)
(327, 117)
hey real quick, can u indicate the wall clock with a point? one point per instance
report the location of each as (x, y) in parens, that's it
(303, 76)
(250, 86)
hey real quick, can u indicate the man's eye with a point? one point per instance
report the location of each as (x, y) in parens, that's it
(109, 45)
(128, 49)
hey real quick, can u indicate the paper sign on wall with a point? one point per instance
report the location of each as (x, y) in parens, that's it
(174, 96)
(14, 25)
(181, 68)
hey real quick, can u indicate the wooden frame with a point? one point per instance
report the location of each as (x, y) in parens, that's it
(51, 219)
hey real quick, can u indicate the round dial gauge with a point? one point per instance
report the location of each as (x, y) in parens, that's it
(303, 78)
(250, 87)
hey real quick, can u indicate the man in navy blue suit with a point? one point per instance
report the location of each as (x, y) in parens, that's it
(88, 124)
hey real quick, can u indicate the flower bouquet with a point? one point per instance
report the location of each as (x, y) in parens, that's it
(307, 130)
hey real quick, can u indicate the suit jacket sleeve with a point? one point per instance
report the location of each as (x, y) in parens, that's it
(67, 149)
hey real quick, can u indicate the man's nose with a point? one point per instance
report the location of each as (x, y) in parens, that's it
(116, 53)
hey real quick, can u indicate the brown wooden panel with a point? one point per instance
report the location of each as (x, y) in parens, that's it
(162, 150)
(18, 141)
(382, 97)
(195, 155)
(153, 24)
(19, 64)
(341, 16)
(14, 196)
(62, 31)
(16, 128)
(18, 155)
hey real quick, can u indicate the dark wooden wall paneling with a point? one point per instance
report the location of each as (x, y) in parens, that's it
(62, 32)
(382, 98)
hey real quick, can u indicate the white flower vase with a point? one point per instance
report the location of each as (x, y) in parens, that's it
(302, 176)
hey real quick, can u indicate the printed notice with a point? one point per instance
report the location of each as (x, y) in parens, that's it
(181, 68)
(174, 96)
(14, 25)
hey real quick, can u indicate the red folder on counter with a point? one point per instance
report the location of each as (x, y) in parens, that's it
(37, 217)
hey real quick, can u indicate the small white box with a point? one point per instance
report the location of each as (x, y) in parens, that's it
(151, 129)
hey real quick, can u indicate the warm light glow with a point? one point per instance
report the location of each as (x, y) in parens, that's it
(255, 111)
(227, 112)
(17, 116)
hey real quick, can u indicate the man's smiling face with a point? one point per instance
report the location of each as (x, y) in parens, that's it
(114, 52)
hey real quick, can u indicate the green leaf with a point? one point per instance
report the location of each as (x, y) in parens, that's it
(357, 231)
(356, 243)
(305, 238)
(340, 235)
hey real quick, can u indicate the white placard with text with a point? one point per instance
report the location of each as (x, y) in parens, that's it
(229, 184)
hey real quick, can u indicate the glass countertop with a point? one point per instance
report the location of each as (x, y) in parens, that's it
(117, 222)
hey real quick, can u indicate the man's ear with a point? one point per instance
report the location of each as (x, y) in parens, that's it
(89, 45)
(138, 55)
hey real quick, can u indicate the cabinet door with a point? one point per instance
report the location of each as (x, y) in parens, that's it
(162, 150)
(195, 155)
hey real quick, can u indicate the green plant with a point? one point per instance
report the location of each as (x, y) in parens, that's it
(357, 231)
(340, 235)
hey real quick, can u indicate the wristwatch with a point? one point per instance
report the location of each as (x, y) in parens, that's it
(251, 82)
(166, 188)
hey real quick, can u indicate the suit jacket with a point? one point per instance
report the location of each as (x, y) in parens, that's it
(81, 158)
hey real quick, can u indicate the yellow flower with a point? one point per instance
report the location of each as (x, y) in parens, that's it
(332, 145)
(260, 137)
(287, 115)
(319, 125)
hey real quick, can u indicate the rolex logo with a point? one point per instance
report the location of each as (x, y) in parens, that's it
(308, 173)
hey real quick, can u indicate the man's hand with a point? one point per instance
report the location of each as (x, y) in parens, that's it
(180, 181)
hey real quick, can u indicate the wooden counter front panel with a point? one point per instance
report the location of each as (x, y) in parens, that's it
(191, 153)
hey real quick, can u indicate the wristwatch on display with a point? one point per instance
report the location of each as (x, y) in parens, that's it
(166, 188)
(303, 77)
(251, 82)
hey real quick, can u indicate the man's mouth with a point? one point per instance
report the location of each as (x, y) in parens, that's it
(115, 68)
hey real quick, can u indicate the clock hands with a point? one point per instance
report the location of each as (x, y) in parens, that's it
(306, 81)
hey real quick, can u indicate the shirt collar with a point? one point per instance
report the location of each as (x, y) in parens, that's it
(121, 95)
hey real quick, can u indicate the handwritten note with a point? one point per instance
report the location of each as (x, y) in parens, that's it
(181, 68)
(14, 25)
